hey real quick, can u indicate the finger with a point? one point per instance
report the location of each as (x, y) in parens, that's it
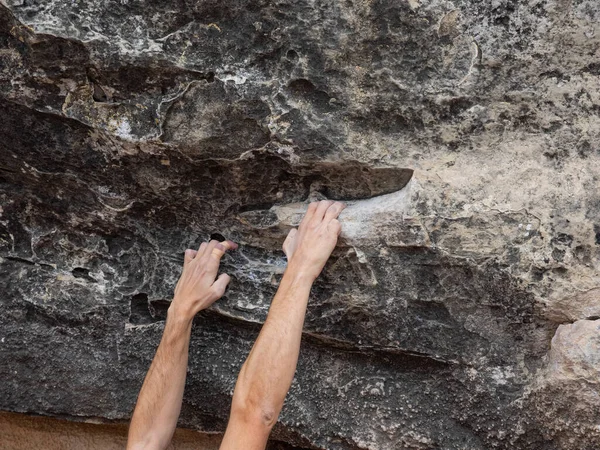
(321, 210)
(288, 244)
(188, 256)
(232, 245)
(335, 226)
(220, 248)
(312, 207)
(220, 285)
(209, 248)
(202, 249)
(334, 211)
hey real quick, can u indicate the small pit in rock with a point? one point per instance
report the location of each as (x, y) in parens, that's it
(83, 273)
(217, 237)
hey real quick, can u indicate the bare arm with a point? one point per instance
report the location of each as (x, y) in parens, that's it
(267, 374)
(159, 403)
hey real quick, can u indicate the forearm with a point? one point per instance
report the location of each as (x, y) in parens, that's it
(267, 374)
(159, 403)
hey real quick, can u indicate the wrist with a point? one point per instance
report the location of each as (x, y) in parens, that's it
(178, 329)
(298, 274)
(178, 316)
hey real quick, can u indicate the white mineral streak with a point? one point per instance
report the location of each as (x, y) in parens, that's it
(237, 79)
(121, 128)
(381, 218)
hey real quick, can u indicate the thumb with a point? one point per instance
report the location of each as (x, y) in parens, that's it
(289, 243)
(220, 285)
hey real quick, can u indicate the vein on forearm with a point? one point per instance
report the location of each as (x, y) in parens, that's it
(269, 369)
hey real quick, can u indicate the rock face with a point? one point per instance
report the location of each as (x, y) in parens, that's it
(463, 135)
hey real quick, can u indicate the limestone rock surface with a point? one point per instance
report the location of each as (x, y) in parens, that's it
(460, 308)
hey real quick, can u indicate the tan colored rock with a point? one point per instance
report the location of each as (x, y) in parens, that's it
(575, 353)
(567, 395)
(583, 305)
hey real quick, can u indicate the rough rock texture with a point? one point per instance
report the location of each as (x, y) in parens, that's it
(463, 134)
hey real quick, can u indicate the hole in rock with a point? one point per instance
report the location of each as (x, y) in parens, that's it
(292, 55)
(593, 68)
(158, 309)
(99, 95)
(210, 77)
(305, 89)
(143, 311)
(301, 86)
(83, 273)
(503, 21)
(139, 310)
(217, 237)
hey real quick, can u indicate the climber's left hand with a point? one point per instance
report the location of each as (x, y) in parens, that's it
(198, 287)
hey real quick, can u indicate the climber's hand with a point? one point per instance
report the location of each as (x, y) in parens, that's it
(308, 248)
(197, 288)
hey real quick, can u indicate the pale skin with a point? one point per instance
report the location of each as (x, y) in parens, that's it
(268, 371)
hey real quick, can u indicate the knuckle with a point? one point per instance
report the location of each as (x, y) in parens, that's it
(218, 291)
(217, 253)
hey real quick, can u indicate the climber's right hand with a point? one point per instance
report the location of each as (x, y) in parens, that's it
(308, 248)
